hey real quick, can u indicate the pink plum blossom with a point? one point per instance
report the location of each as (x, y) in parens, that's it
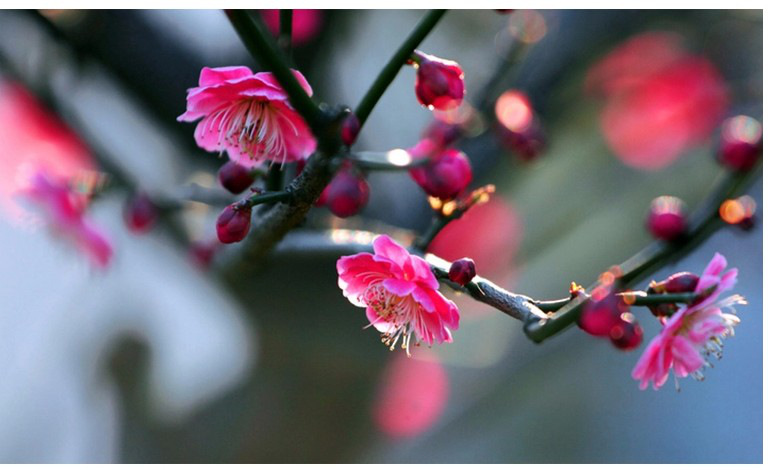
(694, 332)
(64, 210)
(248, 116)
(399, 293)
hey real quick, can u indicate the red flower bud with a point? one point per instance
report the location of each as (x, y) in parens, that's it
(445, 176)
(233, 223)
(626, 334)
(350, 129)
(667, 220)
(599, 316)
(140, 213)
(346, 194)
(740, 143)
(234, 177)
(462, 271)
(439, 82)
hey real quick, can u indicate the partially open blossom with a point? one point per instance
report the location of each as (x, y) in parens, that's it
(347, 193)
(235, 177)
(65, 211)
(445, 176)
(248, 116)
(439, 82)
(667, 219)
(462, 271)
(694, 333)
(740, 143)
(399, 293)
(233, 223)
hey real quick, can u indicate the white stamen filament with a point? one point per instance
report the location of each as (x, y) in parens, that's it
(253, 126)
(402, 313)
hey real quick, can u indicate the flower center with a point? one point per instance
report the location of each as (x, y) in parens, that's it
(254, 127)
(402, 314)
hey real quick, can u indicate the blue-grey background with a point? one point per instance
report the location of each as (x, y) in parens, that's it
(274, 367)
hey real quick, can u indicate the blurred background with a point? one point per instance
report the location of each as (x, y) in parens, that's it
(164, 356)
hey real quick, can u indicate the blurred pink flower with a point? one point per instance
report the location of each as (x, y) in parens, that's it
(489, 233)
(660, 100)
(64, 210)
(306, 24)
(694, 332)
(412, 395)
(400, 294)
(249, 116)
(32, 138)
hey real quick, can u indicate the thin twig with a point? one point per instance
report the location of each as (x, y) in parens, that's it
(391, 69)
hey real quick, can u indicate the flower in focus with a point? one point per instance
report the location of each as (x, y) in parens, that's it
(694, 333)
(439, 82)
(659, 99)
(306, 24)
(64, 210)
(248, 116)
(400, 294)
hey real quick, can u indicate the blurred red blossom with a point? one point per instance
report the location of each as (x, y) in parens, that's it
(659, 99)
(306, 24)
(31, 138)
(489, 233)
(412, 396)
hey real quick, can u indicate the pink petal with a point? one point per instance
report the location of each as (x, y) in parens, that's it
(399, 287)
(387, 249)
(214, 76)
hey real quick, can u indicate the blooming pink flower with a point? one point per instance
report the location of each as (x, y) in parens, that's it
(65, 209)
(694, 332)
(399, 293)
(248, 116)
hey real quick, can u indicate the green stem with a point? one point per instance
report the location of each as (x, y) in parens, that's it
(422, 242)
(285, 39)
(642, 298)
(260, 46)
(274, 178)
(551, 305)
(391, 69)
(265, 198)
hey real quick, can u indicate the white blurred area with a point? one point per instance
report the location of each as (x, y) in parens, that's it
(61, 319)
